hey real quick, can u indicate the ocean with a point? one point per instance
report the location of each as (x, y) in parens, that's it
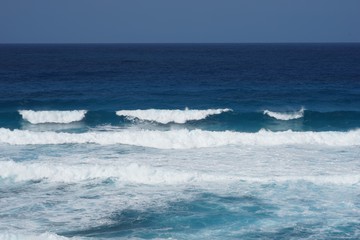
(179, 141)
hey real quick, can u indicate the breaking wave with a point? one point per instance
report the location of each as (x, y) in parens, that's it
(285, 116)
(165, 116)
(133, 173)
(36, 117)
(182, 139)
(139, 174)
(32, 236)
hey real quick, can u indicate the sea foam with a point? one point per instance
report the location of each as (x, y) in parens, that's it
(285, 116)
(36, 117)
(133, 173)
(142, 174)
(165, 116)
(31, 236)
(182, 139)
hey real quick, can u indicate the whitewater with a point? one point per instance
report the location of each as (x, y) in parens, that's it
(285, 116)
(145, 170)
(179, 141)
(165, 116)
(36, 117)
(143, 174)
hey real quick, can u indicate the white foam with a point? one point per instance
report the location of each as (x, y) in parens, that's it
(36, 117)
(31, 236)
(133, 173)
(182, 139)
(142, 174)
(285, 116)
(345, 179)
(165, 116)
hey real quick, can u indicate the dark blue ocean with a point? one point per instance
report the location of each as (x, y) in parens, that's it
(180, 141)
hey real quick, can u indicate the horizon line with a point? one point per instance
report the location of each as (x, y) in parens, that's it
(149, 43)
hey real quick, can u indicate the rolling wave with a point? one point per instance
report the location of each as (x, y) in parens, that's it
(234, 121)
(182, 139)
(140, 174)
(32, 236)
(165, 116)
(285, 116)
(133, 173)
(36, 117)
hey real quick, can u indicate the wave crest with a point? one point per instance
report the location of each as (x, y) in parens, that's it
(140, 174)
(36, 117)
(133, 173)
(23, 236)
(285, 116)
(182, 139)
(165, 116)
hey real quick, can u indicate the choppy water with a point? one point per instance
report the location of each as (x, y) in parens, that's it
(247, 141)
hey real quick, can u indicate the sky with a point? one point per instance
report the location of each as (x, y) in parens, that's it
(179, 21)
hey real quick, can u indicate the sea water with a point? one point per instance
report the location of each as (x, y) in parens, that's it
(180, 141)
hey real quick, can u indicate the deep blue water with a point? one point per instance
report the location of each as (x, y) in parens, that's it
(246, 77)
(291, 172)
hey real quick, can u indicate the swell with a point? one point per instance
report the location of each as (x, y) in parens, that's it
(232, 120)
(181, 139)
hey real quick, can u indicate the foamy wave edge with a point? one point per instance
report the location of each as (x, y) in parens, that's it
(37, 117)
(165, 116)
(182, 139)
(285, 116)
(139, 174)
(31, 236)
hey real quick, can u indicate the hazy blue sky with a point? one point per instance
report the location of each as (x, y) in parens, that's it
(149, 21)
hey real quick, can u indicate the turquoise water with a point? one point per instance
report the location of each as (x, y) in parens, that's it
(232, 141)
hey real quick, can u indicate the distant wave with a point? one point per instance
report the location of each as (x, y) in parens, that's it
(142, 174)
(285, 116)
(165, 116)
(36, 117)
(182, 139)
